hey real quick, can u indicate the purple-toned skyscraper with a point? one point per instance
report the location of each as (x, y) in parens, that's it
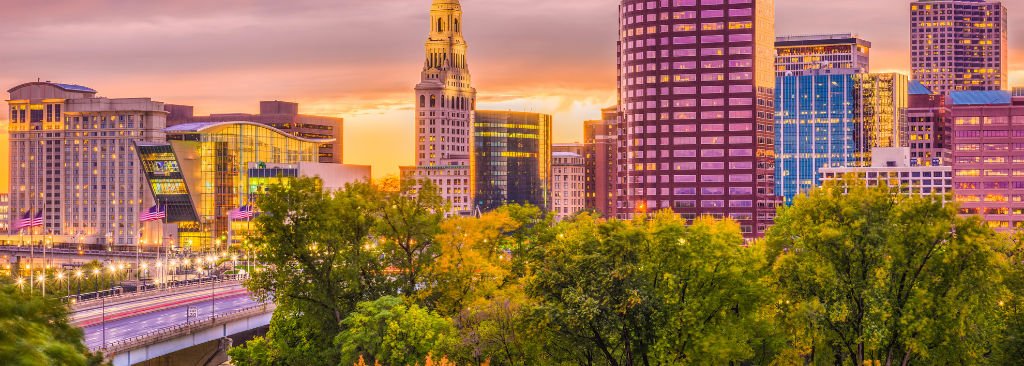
(959, 44)
(696, 91)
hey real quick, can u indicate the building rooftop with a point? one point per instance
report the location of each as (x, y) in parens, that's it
(565, 155)
(820, 39)
(68, 87)
(916, 88)
(981, 97)
(212, 127)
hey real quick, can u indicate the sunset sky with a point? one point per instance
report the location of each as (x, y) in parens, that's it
(360, 59)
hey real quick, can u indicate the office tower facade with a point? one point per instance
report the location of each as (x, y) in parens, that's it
(283, 116)
(892, 166)
(207, 169)
(599, 146)
(988, 157)
(72, 156)
(445, 101)
(696, 132)
(834, 121)
(844, 53)
(511, 159)
(959, 45)
(930, 128)
(567, 172)
(5, 212)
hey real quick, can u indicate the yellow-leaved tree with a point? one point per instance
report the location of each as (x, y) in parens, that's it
(474, 265)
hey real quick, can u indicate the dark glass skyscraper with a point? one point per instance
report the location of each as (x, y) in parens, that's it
(696, 88)
(511, 159)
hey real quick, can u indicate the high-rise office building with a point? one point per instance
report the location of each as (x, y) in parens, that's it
(959, 44)
(834, 121)
(696, 133)
(988, 156)
(72, 157)
(511, 159)
(444, 109)
(844, 53)
(283, 116)
(600, 145)
(930, 128)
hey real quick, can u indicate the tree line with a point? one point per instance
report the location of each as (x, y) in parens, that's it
(848, 275)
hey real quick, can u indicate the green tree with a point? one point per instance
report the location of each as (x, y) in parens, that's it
(390, 333)
(34, 331)
(647, 292)
(1011, 305)
(320, 265)
(409, 213)
(870, 275)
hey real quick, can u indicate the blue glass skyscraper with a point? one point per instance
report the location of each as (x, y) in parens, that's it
(829, 110)
(834, 121)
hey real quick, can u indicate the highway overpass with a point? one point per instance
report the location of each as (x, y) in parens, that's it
(138, 327)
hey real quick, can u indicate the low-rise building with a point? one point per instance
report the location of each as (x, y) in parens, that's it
(891, 166)
(568, 173)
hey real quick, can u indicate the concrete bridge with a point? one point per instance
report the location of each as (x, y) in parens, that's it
(135, 328)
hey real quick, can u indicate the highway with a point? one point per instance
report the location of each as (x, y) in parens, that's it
(136, 318)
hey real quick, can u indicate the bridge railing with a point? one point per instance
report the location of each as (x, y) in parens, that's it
(92, 299)
(175, 331)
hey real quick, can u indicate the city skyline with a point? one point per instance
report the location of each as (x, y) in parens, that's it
(226, 56)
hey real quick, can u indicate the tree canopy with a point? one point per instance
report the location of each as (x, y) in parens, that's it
(850, 275)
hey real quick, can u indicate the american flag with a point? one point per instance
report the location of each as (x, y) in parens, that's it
(29, 221)
(244, 212)
(154, 213)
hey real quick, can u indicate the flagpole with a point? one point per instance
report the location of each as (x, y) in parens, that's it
(32, 247)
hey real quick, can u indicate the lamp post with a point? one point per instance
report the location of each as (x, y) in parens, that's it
(45, 264)
(97, 280)
(78, 281)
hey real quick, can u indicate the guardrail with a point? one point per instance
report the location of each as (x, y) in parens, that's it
(171, 332)
(38, 249)
(176, 287)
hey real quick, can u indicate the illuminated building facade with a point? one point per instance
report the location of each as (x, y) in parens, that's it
(72, 156)
(891, 166)
(5, 212)
(204, 170)
(511, 159)
(600, 145)
(959, 45)
(821, 55)
(834, 121)
(928, 116)
(988, 156)
(283, 116)
(567, 176)
(696, 132)
(444, 108)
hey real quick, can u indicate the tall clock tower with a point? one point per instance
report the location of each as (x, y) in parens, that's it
(444, 108)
